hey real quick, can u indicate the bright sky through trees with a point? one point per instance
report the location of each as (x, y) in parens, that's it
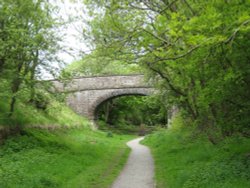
(72, 13)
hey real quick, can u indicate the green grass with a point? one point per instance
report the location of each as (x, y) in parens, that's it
(62, 158)
(56, 115)
(184, 161)
(123, 128)
(55, 147)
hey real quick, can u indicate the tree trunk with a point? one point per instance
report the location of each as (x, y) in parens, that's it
(106, 114)
(32, 76)
(15, 88)
(1, 64)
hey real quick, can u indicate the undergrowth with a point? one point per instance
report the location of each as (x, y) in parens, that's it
(54, 147)
(185, 161)
(62, 158)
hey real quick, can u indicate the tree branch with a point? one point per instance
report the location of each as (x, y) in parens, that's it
(232, 37)
(168, 6)
(155, 36)
(191, 9)
(172, 87)
(180, 56)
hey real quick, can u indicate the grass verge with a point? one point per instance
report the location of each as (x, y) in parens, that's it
(62, 158)
(183, 161)
(57, 115)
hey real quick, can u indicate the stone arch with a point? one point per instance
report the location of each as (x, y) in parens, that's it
(114, 94)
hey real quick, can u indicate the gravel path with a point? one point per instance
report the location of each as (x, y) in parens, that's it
(139, 170)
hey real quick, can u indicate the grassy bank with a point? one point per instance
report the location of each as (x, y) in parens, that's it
(183, 160)
(62, 158)
(61, 152)
(56, 114)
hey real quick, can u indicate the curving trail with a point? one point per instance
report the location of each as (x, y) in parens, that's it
(139, 169)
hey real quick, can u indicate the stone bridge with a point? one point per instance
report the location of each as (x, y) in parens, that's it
(87, 93)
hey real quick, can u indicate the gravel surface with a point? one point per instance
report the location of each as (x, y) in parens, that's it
(139, 170)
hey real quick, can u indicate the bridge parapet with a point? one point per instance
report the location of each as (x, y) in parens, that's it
(102, 83)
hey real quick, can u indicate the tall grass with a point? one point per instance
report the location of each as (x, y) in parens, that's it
(185, 161)
(62, 158)
(57, 114)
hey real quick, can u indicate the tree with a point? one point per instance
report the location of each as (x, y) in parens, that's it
(133, 111)
(93, 65)
(28, 43)
(197, 52)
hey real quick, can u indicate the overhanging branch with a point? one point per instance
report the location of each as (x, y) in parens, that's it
(172, 87)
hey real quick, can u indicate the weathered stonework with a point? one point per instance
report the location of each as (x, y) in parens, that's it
(87, 93)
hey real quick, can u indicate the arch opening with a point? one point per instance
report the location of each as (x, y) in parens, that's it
(128, 113)
(114, 94)
(97, 108)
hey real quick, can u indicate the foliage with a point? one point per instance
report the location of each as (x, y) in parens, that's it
(184, 159)
(29, 43)
(130, 114)
(197, 52)
(62, 158)
(94, 65)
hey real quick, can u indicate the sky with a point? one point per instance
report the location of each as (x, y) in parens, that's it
(72, 43)
(72, 31)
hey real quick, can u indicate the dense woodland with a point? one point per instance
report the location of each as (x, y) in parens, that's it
(195, 53)
(29, 41)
